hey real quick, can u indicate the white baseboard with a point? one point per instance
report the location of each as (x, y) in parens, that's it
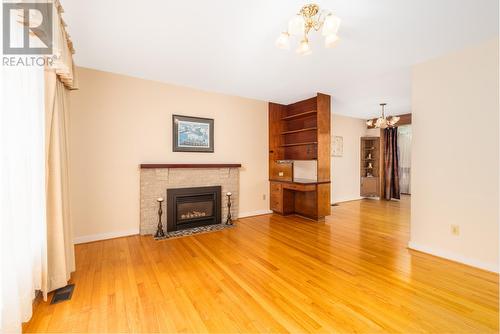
(342, 200)
(104, 236)
(453, 257)
(254, 213)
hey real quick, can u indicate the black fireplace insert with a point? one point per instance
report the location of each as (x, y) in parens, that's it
(193, 207)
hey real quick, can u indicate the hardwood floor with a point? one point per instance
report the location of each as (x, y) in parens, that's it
(352, 273)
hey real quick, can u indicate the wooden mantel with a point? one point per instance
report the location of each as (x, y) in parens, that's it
(190, 166)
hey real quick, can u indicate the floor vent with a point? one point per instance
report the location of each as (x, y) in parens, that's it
(63, 294)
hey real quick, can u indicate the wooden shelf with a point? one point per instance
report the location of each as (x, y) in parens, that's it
(300, 144)
(299, 130)
(370, 185)
(299, 115)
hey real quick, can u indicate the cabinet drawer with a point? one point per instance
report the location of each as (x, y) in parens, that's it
(275, 188)
(276, 197)
(299, 187)
(277, 203)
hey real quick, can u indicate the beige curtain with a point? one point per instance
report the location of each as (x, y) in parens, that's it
(60, 252)
(59, 80)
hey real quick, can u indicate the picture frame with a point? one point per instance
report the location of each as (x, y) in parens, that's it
(192, 134)
(337, 146)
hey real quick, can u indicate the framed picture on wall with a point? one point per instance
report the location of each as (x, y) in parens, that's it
(338, 146)
(192, 134)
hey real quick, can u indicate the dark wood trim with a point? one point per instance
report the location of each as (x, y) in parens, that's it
(404, 120)
(143, 166)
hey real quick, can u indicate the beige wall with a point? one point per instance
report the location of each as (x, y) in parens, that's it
(455, 156)
(119, 122)
(345, 170)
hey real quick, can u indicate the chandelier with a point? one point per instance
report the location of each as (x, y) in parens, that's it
(383, 122)
(310, 17)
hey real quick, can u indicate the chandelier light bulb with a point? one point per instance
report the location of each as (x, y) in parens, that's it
(296, 25)
(283, 41)
(381, 123)
(331, 25)
(304, 48)
(331, 41)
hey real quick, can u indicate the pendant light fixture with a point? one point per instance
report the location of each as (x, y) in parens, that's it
(383, 122)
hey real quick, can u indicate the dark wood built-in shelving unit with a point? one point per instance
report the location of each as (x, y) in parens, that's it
(370, 167)
(300, 131)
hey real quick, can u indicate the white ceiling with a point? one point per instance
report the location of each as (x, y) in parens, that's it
(228, 45)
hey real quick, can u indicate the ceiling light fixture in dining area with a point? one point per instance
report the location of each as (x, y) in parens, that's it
(383, 121)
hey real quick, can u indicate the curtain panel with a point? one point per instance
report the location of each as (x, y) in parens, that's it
(391, 164)
(60, 250)
(23, 244)
(59, 80)
(36, 240)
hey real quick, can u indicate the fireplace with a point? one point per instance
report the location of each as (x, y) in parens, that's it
(193, 207)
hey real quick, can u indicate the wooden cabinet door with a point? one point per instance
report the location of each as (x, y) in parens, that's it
(369, 186)
(281, 171)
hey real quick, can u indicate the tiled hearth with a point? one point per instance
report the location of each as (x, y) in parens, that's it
(156, 179)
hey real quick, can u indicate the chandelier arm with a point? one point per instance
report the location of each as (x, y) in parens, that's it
(321, 19)
(318, 25)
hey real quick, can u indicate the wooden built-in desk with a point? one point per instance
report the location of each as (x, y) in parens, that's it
(307, 198)
(300, 132)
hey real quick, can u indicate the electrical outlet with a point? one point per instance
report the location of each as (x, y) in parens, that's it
(455, 230)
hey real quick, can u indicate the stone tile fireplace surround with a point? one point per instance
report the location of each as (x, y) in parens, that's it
(157, 178)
